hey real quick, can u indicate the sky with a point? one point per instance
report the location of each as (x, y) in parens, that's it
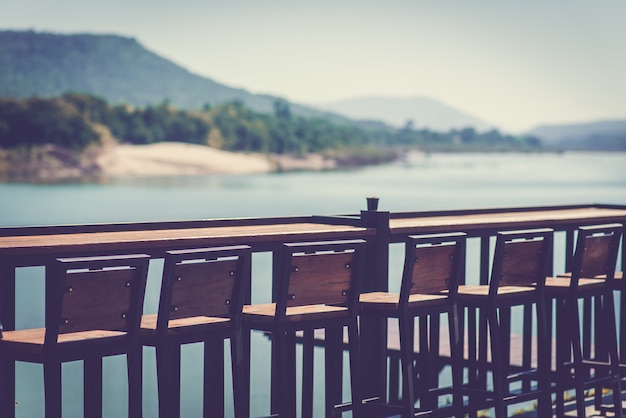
(514, 64)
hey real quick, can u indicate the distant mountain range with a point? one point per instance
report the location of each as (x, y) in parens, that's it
(603, 135)
(421, 112)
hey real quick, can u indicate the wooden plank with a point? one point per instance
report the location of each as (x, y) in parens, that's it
(506, 220)
(173, 238)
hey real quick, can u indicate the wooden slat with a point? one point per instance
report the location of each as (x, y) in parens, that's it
(521, 263)
(596, 256)
(390, 301)
(36, 336)
(433, 268)
(266, 312)
(563, 283)
(203, 289)
(320, 279)
(149, 321)
(96, 300)
(483, 290)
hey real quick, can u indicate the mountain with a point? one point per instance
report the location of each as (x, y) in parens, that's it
(422, 111)
(600, 135)
(115, 68)
(120, 70)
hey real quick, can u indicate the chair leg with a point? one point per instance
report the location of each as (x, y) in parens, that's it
(92, 386)
(7, 386)
(456, 364)
(276, 363)
(355, 368)
(168, 379)
(244, 371)
(563, 354)
(283, 394)
(407, 331)
(602, 347)
(499, 382)
(608, 313)
(579, 370)
(134, 362)
(307, 373)
(237, 356)
(544, 407)
(473, 359)
(333, 353)
(432, 353)
(483, 364)
(213, 387)
(52, 388)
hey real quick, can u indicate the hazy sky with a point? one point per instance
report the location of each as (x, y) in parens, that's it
(514, 64)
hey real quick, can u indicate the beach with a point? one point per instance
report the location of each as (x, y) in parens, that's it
(177, 158)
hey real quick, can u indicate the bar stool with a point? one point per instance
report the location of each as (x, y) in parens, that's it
(433, 267)
(93, 309)
(592, 277)
(316, 286)
(202, 293)
(518, 273)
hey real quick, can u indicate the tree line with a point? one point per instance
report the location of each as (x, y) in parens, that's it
(77, 121)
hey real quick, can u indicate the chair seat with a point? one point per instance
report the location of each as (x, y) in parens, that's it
(266, 313)
(482, 291)
(183, 325)
(390, 301)
(32, 340)
(561, 284)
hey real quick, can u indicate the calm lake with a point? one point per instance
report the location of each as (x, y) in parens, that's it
(422, 182)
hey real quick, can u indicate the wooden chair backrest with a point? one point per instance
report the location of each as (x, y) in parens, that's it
(204, 282)
(320, 273)
(433, 264)
(95, 293)
(596, 251)
(521, 258)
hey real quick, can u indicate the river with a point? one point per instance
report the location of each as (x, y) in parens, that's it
(421, 182)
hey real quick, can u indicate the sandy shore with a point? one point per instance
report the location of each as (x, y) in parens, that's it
(175, 158)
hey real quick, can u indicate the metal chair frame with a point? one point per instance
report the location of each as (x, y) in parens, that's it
(202, 294)
(316, 287)
(591, 279)
(93, 309)
(519, 269)
(433, 268)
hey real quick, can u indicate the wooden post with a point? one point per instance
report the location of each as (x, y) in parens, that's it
(374, 331)
(7, 321)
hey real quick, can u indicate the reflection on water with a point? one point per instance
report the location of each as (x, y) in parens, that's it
(422, 182)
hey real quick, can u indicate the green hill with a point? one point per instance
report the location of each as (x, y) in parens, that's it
(115, 68)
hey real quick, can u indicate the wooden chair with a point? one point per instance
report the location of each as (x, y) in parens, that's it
(518, 273)
(202, 293)
(591, 278)
(316, 286)
(433, 267)
(93, 309)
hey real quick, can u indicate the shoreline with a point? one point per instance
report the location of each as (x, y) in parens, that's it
(177, 158)
(171, 158)
(52, 163)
